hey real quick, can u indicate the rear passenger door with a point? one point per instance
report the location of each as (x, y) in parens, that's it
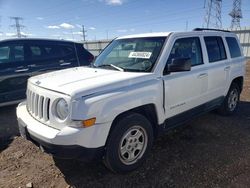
(14, 71)
(217, 68)
(46, 56)
(69, 55)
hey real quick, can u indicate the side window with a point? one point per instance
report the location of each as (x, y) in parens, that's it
(52, 51)
(233, 47)
(11, 53)
(36, 52)
(67, 50)
(4, 54)
(18, 53)
(189, 48)
(215, 49)
(45, 52)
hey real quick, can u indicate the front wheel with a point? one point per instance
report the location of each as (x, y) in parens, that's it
(129, 143)
(231, 101)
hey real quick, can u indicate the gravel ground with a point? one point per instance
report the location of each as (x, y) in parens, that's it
(211, 151)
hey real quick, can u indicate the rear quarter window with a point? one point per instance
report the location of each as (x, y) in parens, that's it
(233, 47)
(67, 50)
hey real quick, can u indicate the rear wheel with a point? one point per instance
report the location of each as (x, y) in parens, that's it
(230, 103)
(129, 143)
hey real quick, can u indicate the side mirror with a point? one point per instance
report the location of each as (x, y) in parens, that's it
(179, 65)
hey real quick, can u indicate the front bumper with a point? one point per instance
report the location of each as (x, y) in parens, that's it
(59, 143)
(64, 151)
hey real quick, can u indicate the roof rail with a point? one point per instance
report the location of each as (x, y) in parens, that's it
(209, 29)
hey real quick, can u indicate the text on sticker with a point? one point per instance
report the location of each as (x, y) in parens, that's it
(142, 55)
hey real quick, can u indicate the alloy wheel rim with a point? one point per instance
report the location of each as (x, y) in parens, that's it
(233, 100)
(133, 145)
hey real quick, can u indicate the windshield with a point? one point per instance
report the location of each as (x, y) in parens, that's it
(134, 54)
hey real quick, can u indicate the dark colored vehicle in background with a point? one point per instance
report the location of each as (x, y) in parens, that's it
(23, 58)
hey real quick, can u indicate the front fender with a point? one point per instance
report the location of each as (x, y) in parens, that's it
(108, 105)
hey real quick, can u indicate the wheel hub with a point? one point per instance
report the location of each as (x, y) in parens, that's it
(233, 100)
(133, 145)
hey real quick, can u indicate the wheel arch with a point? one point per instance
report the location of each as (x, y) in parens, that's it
(239, 81)
(147, 110)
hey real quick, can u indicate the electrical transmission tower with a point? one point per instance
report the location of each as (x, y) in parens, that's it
(236, 14)
(213, 14)
(18, 26)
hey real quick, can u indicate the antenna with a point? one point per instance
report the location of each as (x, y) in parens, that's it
(18, 26)
(213, 14)
(236, 14)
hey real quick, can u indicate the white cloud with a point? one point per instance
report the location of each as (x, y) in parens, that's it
(39, 18)
(92, 28)
(27, 34)
(53, 27)
(122, 30)
(66, 33)
(114, 2)
(79, 26)
(70, 39)
(10, 34)
(55, 35)
(1, 34)
(67, 26)
(77, 33)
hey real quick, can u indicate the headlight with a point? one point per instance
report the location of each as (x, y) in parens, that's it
(62, 109)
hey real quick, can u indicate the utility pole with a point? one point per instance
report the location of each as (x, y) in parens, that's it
(213, 14)
(18, 26)
(84, 33)
(236, 14)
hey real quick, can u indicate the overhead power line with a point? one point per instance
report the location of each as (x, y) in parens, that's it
(18, 26)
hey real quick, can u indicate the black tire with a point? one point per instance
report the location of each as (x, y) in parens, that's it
(123, 130)
(227, 108)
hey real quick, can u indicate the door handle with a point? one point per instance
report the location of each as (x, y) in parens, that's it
(202, 75)
(227, 68)
(21, 70)
(33, 65)
(64, 64)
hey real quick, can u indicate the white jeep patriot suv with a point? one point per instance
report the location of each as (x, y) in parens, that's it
(139, 86)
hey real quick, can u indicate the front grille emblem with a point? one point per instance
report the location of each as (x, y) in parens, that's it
(38, 82)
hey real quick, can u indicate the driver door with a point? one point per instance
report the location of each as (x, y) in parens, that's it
(185, 90)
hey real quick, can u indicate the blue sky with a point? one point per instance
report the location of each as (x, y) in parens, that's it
(107, 18)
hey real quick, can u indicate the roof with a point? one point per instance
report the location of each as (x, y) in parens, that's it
(32, 39)
(162, 34)
(166, 34)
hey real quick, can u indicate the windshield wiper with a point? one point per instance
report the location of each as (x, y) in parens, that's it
(111, 65)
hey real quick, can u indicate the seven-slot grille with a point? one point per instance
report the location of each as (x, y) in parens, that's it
(38, 105)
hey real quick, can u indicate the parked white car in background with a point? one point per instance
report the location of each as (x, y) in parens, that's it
(139, 86)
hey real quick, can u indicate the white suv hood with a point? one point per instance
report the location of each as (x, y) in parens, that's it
(82, 81)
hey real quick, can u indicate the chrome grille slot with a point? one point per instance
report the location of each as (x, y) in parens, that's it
(46, 109)
(38, 106)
